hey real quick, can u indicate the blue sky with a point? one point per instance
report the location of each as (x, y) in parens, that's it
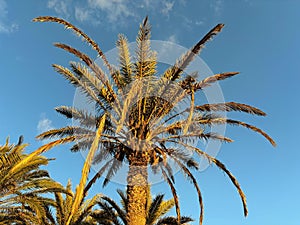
(260, 39)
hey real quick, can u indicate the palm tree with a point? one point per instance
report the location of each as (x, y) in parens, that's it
(111, 213)
(22, 186)
(63, 208)
(137, 108)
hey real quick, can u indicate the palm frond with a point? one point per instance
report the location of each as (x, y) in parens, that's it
(223, 168)
(145, 58)
(114, 167)
(79, 195)
(181, 64)
(230, 106)
(78, 32)
(222, 120)
(175, 196)
(212, 79)
(195, 183)
(120, 212)
(125, 59)
(97, 176)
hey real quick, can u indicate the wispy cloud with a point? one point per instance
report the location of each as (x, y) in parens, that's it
(44, 124)
(5, 25)
(172, 38)
(82, 14)
(61, 7)
(115, 12)
(217, 6)
(168, 6)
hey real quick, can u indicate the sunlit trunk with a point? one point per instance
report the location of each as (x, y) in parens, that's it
(137, 181)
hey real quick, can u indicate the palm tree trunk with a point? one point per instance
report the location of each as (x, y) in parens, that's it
(137, 182)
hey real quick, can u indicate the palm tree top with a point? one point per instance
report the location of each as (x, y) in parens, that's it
(137, 104)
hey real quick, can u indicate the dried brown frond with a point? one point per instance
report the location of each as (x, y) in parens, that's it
(181, 64)
(209, 80)
(222, 120)
(175, 196)
(77, 82)
(222, 167)
(251, 127)
(86, 119)
(230, 106)
(234, 181)
(86, 59)
(96, 177)
(205, 136)
(96, 69)
(77, 31)
(195, 183)
(65, 131)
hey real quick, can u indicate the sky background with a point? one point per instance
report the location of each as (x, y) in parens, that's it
(260, 39)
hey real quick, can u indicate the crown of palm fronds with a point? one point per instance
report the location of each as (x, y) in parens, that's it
(140, 110)
(112, 214)
(22, 186)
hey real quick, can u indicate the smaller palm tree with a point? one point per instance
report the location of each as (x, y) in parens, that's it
(22, 186)
(111, 213)
(63, 208)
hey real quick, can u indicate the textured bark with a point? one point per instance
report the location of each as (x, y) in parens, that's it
(137, 181)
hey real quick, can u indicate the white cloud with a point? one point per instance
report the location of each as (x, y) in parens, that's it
(114, 12)
(217, 6)
(5, 26)
(44, 124)
(168, 6)
(172, 38)
(183, 2)
(199, 23)
(82, 14)
(61, 7)
(114, 9)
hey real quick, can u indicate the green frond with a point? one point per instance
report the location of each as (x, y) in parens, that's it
(79, 194)
(126, 65)
(86, 208)
(60, 213)
(65, 132)
(121, 213)
(97, 176)
(85, 118)
(153, 210)
(90, 93)
(190, 117)
(173, 221)
(145, 58)
(114, 167)
(8, 159)
(158, 208)
(124, 200)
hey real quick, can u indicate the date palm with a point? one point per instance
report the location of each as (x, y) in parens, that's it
(142, 126)
(111, 213)
(63, 208)
(22, 186)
